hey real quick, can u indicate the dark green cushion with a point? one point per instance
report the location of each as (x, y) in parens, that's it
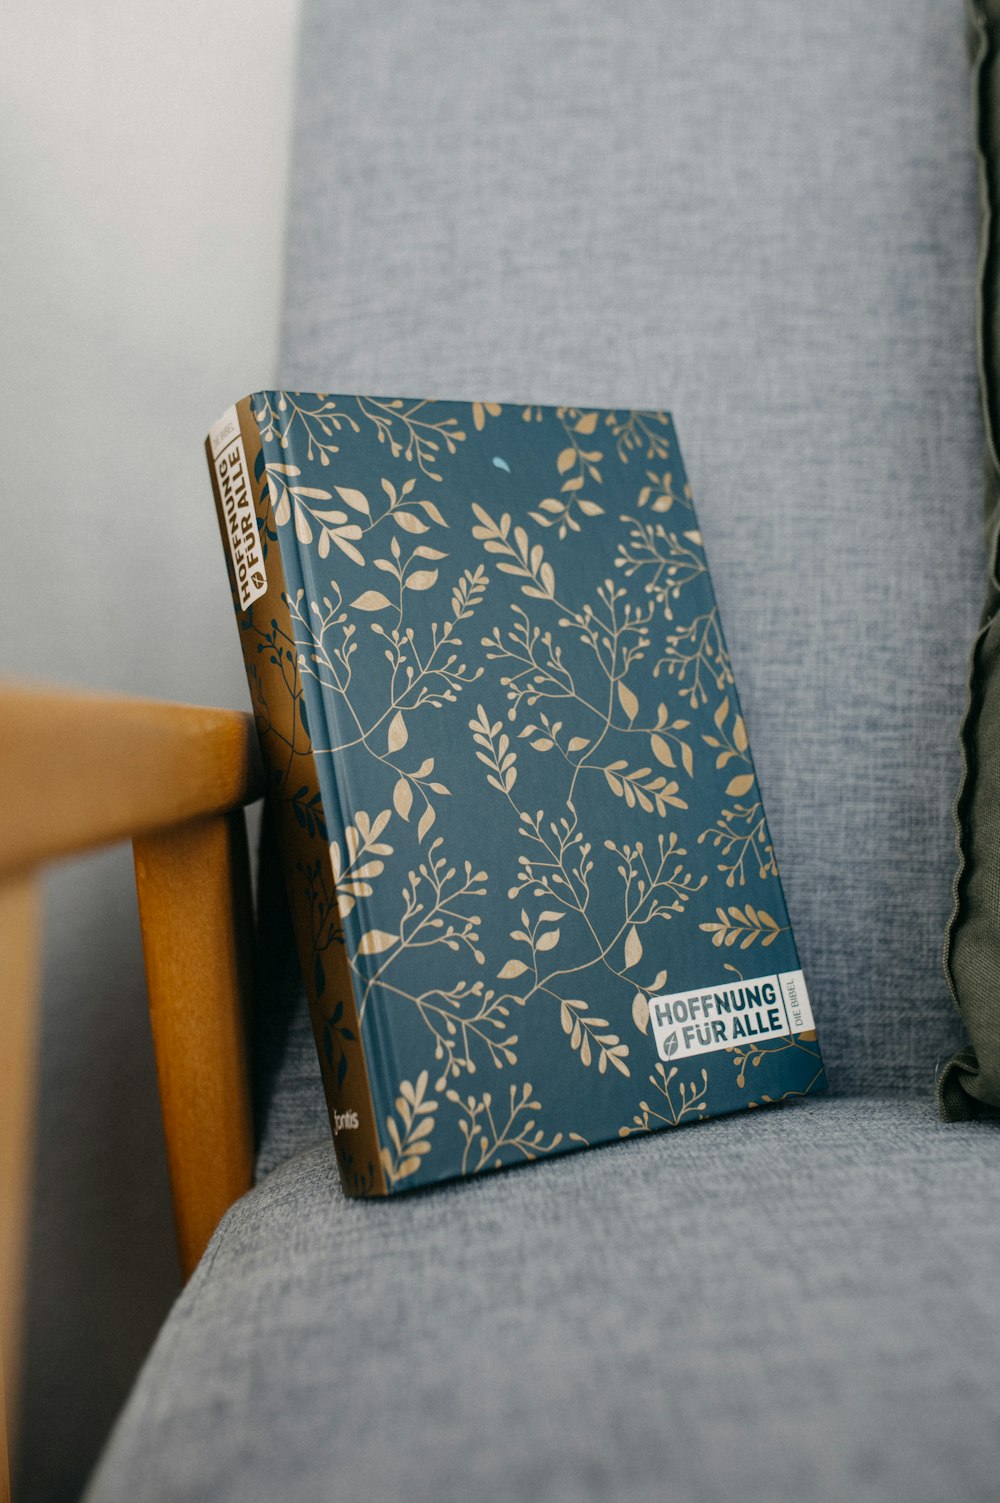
(970, 1083)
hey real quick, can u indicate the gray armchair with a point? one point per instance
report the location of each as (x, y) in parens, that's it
(764, 217)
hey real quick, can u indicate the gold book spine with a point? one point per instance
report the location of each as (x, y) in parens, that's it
(257, 577)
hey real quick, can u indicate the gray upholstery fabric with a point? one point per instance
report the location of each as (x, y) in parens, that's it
(797, 1303)
(762, 215)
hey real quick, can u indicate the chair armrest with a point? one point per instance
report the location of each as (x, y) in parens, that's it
(84, 770)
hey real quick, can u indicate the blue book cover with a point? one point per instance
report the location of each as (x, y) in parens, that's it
(536, 900)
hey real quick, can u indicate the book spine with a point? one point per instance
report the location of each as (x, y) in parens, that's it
(260, 598)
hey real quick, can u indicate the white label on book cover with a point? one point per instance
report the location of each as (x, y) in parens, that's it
(732, 1015)
(233, 477)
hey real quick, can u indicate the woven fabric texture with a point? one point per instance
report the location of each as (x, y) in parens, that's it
(795, 1303)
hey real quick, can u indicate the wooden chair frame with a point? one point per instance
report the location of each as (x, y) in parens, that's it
(82, 771)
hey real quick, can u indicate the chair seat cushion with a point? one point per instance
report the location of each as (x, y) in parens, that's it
(797, 1302)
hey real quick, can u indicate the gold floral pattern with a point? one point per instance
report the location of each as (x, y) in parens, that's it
(518, 700)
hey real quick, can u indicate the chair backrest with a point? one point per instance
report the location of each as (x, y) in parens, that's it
(80, 771)
(762, 216)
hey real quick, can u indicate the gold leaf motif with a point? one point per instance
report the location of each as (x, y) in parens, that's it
(312, 493)
(356, 499)
(490, 1139)
(512, 969)
(376, 941)
(410, 433)
(740, 785)
(696, 654)
(371, 600)
(743, 926)
(397, 732)
(426, 821)
(741, 837)
(416, 1115)
(662, 752)
(410, 523)
(480, 411)
(302, 529)
(640, 1012)
(627, 700)
(423, 579)
(316, 415)
(432, 511)
(691, 1099)
(660, 493)
(402, 798)
(585, 1036)
(633, 948)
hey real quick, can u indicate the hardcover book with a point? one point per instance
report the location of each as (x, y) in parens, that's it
(536, 900)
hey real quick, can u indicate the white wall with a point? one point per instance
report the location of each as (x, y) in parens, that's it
(143, 155)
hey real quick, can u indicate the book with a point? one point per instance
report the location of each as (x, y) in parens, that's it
(536, 901)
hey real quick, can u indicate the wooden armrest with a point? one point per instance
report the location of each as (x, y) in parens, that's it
(83, 770)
